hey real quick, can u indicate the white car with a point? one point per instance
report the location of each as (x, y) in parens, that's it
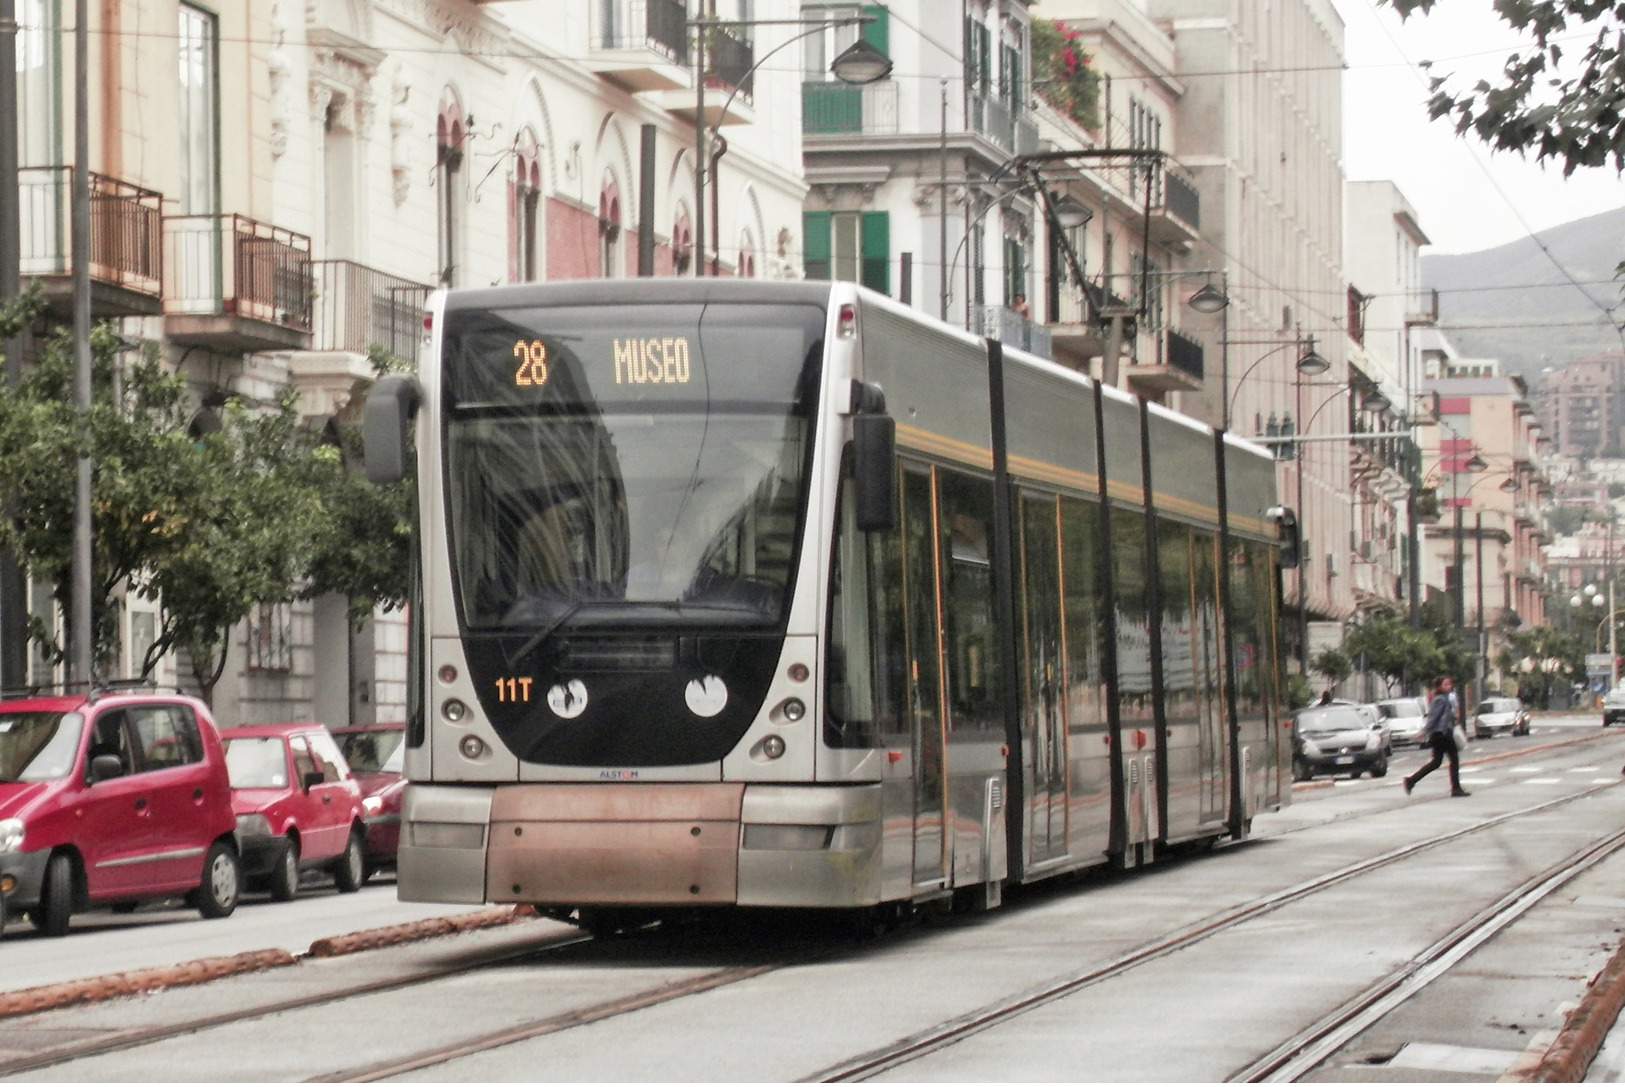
(1404, 719)
(1613, 706)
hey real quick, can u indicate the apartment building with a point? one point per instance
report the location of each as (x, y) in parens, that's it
(1582, 406)
(277, 185)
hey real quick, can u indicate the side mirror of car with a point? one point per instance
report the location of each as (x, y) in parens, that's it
(105, 767)
(313, 778)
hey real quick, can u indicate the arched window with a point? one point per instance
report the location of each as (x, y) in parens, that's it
(525, 200)
(611, 262)
(747, 256)
(682, 242)
(449, 132)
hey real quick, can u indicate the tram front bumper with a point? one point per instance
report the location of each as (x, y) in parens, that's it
(644, 844)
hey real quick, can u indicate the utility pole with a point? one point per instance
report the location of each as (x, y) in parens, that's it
(13, 586)
(80, 666)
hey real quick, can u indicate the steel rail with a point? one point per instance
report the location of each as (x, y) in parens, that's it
(952, 1031)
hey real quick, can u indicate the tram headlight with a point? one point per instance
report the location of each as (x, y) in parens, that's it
(773, 747)
(799, 672)
(454, 710)
(472, 747)
(447, 674)
(793, 709)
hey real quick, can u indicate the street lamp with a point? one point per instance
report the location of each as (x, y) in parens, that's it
(858, 63)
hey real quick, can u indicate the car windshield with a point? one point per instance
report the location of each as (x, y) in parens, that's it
(256, 762)
(1405, 708)
(654, 465)
(372, 752)
(38, 746)
(1330, 719)
(1497, 705)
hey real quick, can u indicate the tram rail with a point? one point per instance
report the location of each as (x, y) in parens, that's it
(1286, 1060)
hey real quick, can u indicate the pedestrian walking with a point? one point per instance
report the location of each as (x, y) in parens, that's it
(1439, 731)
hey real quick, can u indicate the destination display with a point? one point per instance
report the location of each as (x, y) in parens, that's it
(673, 354)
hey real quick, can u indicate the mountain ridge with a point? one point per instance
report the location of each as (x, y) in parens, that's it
(1536, 302)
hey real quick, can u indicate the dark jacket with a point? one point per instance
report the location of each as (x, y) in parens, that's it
(1441, 719)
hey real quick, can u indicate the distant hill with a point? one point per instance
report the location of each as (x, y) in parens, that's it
(1514, 303)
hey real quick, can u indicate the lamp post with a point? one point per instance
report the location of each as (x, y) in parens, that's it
(1597, 599)
(1063, 214)
(857, 64)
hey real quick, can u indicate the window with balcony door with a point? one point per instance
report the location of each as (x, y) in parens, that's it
(746, 268)
(39, 78)
(854, 246)
(611, 259)
(199, 121)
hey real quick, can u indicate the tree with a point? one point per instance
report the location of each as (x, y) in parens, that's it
(1564, 108)
(210, 525)
(1332, 663)
(1406, 659)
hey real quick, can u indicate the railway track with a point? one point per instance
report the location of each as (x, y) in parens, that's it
(1288, 1059)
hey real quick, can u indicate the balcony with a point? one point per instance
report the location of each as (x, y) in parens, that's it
(642, 45)
(1422, 308)
(841, 109)
(1011, 329)
(1177, 367)
(1077, 331)
(1176, 210)
(729, 76)
(992, 117)
(356, 307)
(232, 284)
(126, 242)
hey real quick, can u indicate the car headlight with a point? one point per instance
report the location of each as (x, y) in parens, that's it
(372, 805)
(253, 826)
(1310, 747)
(11, 835)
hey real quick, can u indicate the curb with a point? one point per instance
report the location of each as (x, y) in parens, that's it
(1585, 1029)
(91, 990)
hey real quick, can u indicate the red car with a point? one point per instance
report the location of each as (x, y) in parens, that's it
(376, 755)
(109, 799)
(298, 806)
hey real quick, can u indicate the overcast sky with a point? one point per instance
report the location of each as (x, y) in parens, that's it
(1466, 197)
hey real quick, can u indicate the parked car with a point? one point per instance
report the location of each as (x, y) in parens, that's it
(376, 754)
(1403, 718)
(1613, 706)
(111, 799)
(1337, 739)
(1500, 715)
(298, 806)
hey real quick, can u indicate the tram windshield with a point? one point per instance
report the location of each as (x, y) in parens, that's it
(627, 463)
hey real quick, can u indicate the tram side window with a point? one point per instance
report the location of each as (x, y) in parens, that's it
(1133, 617)
(969, 608)
(1080, 547)
(1251, 622)
(866, 668)
(1176, 586)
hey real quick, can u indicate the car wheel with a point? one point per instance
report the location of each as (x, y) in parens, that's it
(56, 898)
(1301, 771)
(285, 876)
(1379, 769)
(350, 872)
(217, 895)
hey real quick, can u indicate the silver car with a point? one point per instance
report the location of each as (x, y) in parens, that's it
(1337, 739)
(1500, 715)
(1404, 719)
(1613, 706)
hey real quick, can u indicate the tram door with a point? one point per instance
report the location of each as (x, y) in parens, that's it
(1043, 715)
(925, 689)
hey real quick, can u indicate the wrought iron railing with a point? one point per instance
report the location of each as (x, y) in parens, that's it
(831, 108)
(1184, 353)
(1009, 327)
(231, 264)
(659, 25)
(357, 307)
(126, 236)
(1181, 200)
(731, 60)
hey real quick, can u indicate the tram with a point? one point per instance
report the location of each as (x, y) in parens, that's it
(781, 594)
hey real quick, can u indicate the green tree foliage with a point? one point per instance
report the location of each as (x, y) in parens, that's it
(1565, 106)
(1540, 660)
(1407, 659)
(210, 525)
(1332, 663)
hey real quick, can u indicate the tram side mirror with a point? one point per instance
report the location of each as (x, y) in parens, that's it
(874, 472)
(385, 423)
(1286, 525)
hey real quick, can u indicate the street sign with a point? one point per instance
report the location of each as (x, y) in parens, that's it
(1598, 660)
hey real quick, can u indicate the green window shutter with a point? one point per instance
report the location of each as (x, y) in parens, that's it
(878, 33)
(875, 238)
(815, 255)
